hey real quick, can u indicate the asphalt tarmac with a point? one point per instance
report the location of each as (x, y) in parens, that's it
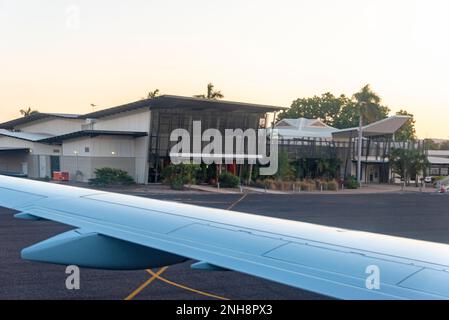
(412, 215)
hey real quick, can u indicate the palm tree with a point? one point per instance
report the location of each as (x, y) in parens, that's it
(322, 166)
(28, 112)
(211, 93)
(368, 105)
(153, 94)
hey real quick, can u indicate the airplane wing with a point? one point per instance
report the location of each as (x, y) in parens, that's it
(115, 231)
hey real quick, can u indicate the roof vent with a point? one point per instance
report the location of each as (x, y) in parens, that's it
(91, 121)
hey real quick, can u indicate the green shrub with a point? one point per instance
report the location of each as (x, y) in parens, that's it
(351, 183)
(307, 185)
(332, 185)
(177, 183)
(111, 176)
(285, 171)
(177, 175)
(228, 180)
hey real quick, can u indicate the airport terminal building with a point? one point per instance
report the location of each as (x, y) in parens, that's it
(313, 140)
(134, 137)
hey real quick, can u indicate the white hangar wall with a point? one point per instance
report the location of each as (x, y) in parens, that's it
(55, 126)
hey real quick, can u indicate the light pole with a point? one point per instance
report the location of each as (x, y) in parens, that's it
(76, 164)
(359, 145)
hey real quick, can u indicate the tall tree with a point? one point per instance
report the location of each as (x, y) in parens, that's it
(407, 132)
(326, 108)
(153, 94)
(28, 112)
(211, 93)
(367, 102)
(349, 115)
(341, 112)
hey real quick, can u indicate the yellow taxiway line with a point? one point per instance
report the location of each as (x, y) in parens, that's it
(211, 295)
(143, 285)
(156, 275)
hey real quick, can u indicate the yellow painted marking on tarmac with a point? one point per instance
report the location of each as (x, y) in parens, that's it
(211, 295)
(157, 274)
(143, 285)
(237, 202)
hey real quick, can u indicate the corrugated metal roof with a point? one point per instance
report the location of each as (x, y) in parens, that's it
(92, 133)
(201, 103)
(164, 101)
(145, 103)
(35, 117)
(5, 149)
(29, 136)
(171, 101)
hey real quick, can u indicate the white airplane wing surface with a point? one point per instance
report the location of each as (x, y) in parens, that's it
(115, 231)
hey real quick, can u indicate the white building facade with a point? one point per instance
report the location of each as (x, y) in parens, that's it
(118, 137)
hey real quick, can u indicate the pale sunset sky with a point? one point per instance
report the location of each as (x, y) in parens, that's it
(61, 56)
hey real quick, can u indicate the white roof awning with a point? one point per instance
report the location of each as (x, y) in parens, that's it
(383, 127)
(438, 160)
(439, 153)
